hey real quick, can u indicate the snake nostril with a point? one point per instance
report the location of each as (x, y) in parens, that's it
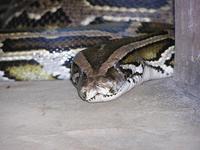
(112, 91)
(83, 95)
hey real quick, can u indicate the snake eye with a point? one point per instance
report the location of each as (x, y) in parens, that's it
(75, 74)
(111, 73)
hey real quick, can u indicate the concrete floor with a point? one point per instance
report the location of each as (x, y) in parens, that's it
(50, 116)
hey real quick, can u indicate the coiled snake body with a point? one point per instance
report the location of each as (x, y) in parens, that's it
(104, 47)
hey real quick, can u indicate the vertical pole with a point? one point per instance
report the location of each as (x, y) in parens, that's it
(187, 22)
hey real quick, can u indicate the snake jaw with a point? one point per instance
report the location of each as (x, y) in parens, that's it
(99, 91)
(110, 96)
(97, 88)
(110, 90)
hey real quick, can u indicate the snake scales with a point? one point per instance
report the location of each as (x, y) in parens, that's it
(105, 47)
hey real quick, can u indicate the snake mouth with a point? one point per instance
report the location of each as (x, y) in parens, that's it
(99, 97)
(122, 89)
(104, 98)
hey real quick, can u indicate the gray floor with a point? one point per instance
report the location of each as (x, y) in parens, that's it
(50, 116)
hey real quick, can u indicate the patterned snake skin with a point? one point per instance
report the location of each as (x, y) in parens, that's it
(26, 14)
(105, 47)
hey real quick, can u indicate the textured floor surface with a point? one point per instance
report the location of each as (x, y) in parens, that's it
(50, 116)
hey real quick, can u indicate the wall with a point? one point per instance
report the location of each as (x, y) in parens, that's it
(187, 20)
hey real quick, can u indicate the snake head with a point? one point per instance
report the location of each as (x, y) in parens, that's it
(95, 86)
(106, 71)
(96, 72)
